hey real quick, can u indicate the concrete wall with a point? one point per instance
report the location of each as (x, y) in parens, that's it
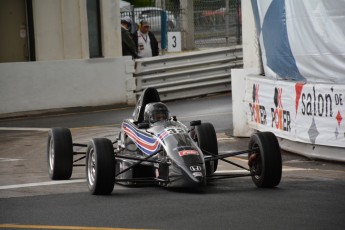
(250, 43)
(66, 83)
(61, 29)
(251, 65)
(111, 28)
(63, 75)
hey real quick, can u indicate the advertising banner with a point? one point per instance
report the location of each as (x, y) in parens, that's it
(302, 40)
(309, 113)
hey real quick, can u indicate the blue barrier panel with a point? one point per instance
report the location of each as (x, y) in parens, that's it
(163, 29)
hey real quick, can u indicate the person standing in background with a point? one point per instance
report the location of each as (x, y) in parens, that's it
(145, 41)
(128, 45)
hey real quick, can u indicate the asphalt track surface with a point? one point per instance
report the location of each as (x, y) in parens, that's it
(310, 195)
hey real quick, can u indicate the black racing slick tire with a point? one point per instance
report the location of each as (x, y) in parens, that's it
(207, 141)
(100, 166)
(266, 163)
(60, 154)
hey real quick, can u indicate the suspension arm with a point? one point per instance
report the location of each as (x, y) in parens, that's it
(230, 154)
(79, 145)
(139, 161)
(136, 159)
(226, 176)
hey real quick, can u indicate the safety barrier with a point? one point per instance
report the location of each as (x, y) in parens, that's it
(188, 75)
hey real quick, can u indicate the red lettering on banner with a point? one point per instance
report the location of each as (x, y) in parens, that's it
(298, 89)
(258, 112)
(280, 117)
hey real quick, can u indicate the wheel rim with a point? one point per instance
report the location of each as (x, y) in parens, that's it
(256, 166)
(91, 169)
(51, 154)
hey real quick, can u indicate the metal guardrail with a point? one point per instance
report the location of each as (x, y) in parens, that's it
(188, 75)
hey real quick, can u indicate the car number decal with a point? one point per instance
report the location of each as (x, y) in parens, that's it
(173, 130)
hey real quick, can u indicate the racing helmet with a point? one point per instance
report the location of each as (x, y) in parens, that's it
(157, 111)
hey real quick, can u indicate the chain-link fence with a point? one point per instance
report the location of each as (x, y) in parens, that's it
(217, 23)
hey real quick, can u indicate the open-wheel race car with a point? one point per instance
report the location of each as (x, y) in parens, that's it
(154, 147)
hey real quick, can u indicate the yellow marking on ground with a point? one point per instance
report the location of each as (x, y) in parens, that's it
(61, 227)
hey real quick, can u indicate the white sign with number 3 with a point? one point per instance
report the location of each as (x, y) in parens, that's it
(174, 41)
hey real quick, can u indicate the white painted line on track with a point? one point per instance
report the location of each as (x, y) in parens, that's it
(41, 184)
(47, 183)
(226, 138)
(10, 159)
(25, 226)
(24, 129)
(289, 169)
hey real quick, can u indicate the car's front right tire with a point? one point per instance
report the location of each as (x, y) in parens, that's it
(60, 154)
(100, 166)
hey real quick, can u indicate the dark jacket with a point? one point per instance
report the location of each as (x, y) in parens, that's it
(153, 42)
(128, 45)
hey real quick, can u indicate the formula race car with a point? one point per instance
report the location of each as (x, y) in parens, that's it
(154, 147)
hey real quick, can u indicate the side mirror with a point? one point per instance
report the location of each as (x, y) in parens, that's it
(143, 125)
(195, 123)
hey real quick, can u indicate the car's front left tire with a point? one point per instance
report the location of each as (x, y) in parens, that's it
(266, 162)
(205, 136)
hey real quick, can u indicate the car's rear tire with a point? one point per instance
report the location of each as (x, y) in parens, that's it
(60, 154)
(267, 162)
(100, 166)
(207, 141)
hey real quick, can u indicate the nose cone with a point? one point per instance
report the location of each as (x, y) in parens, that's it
(199, 180)
(188, 176)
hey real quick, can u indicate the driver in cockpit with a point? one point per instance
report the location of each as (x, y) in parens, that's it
(157, 111)
(153, 113)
